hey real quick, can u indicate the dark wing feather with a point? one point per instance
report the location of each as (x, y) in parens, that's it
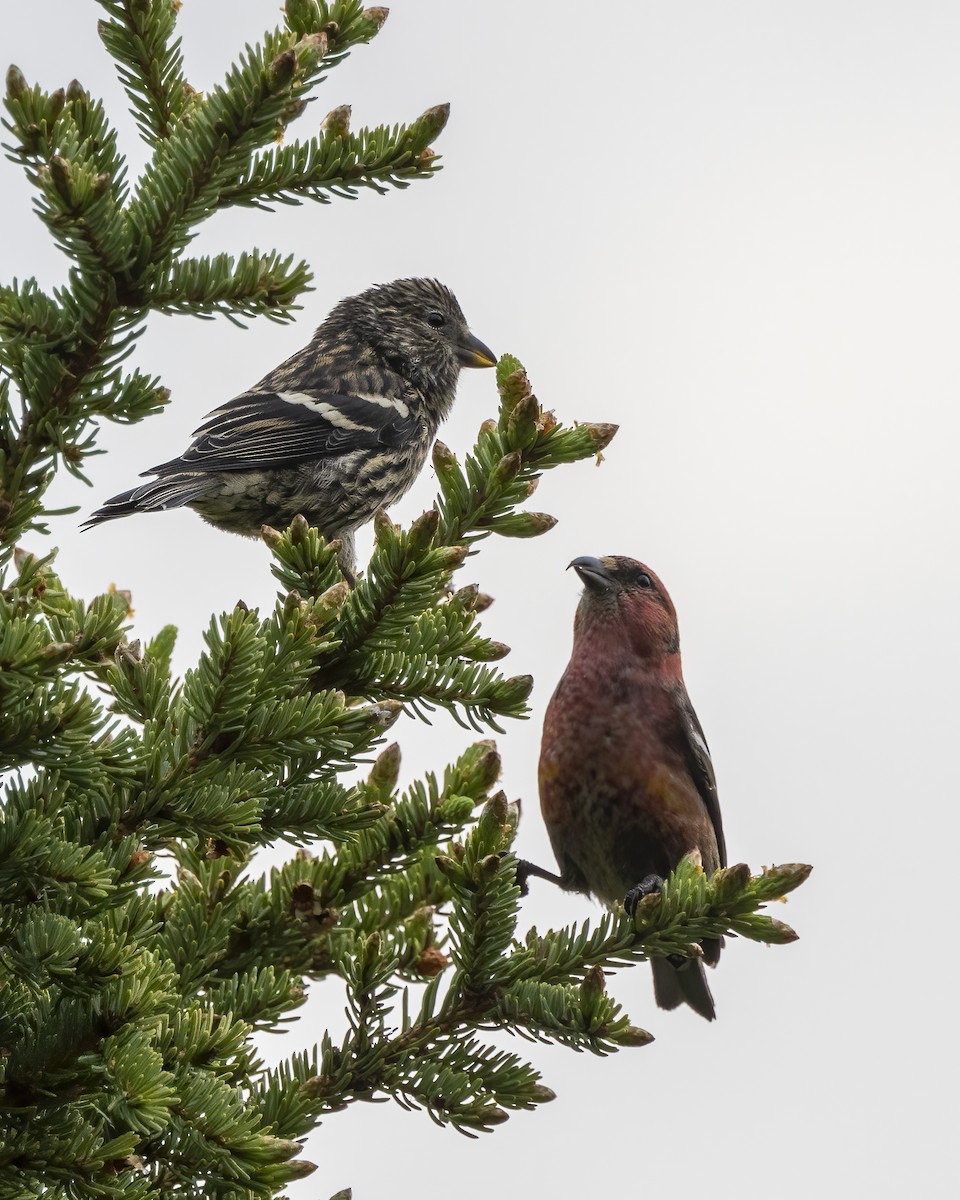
(697, 754)
(261, 431)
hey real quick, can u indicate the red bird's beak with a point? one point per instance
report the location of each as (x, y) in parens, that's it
(593, 574)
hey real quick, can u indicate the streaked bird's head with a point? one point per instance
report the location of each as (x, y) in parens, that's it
(625, 599)
(416, 328)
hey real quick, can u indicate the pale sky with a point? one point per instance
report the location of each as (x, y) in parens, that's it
(732, 228)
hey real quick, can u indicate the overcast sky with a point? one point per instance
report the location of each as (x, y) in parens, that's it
(733, 229)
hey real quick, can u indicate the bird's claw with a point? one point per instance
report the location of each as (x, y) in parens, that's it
(522, 873)
(648, 886)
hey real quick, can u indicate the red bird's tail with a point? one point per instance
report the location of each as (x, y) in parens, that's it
(686, 984)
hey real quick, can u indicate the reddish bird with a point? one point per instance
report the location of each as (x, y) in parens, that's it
(626, 783)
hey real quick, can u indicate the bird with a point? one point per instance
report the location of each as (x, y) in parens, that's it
(627, 787)
(339, 430)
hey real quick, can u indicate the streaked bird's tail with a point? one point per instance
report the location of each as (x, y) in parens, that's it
(171, 491)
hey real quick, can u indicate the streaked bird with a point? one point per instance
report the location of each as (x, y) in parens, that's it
(626, 783)
(339, 430)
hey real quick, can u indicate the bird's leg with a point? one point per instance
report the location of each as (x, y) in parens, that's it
(527, 870)
(650, 885)
(347, 557)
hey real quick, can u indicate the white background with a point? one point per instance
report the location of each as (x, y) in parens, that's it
(733, 229)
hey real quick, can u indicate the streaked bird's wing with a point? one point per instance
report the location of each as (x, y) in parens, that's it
(262, 430)
(697, 754)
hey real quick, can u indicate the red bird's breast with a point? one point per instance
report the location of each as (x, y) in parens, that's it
(617, 798)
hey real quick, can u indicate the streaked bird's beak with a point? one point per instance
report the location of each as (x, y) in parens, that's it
(593, 573)
(473, 353)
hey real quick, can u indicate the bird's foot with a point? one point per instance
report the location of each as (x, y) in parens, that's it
(649, 886)
(527, 870)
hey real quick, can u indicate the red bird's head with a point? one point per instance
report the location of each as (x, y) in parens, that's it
(623, 599)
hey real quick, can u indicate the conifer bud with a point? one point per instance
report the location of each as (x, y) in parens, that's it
(282, 69)
(293, 110)
(386, 531)
(764, 929)
(58, 652)
(443, 457)
(515, 689)
(633, 1035)
(61, 177)
(524, 525)
(489, 829)
(466, 596)
(431, 961)
(513, 387)
(728, 883)
(488, 867)
(376, 16)
(451, 556)
(483, 765)
(433, 120)
(300, 1168)
(274, 1149)
(423, 531)
(448, 867)
(386, 770)
(330, 602)
(546, 421)
(600, 435)
(16, 82)
(592, 990)
(299, 530)
(337, 122)
(315, 45)
(523, 420)
(486, 650)
(784, 878)
(507, 468)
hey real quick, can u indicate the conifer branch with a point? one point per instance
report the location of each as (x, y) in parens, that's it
(251, 285)
(339, 163)
(128, 998)
(139, 36)
(545, 989)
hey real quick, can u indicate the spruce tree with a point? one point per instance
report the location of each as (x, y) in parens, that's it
(130, 994)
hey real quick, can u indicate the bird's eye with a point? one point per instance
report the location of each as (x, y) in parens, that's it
(436, 319)
(644, 580)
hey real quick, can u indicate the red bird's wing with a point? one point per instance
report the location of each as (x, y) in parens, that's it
(700, 765)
